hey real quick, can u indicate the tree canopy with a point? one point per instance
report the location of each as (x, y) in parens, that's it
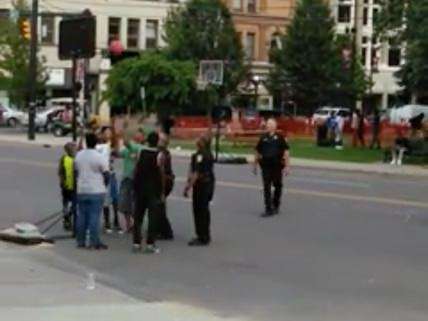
(204, 30)
(308, 67)
(15, 58)
(168, 84)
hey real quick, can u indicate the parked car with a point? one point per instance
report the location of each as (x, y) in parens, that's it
(45, 119)
(12, 117)
(323, 113)
(405, 113)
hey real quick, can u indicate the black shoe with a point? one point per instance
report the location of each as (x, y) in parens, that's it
(198, 242)
(162, 237)
(81, 246)
(100, 246)
(275, 211)
(267, 214)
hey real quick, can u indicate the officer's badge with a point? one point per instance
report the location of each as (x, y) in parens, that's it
(199, 158)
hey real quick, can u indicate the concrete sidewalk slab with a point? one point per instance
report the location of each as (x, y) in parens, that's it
(36, 285)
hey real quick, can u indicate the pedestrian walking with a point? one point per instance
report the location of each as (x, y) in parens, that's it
(376, 130)
(165, 229)
(104, 147)
(129, 153)
(272, 154)
(67, 185)
(92, 175)
(149, 194)
(201, 181)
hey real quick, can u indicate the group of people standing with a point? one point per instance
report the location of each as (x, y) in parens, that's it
(90, 187)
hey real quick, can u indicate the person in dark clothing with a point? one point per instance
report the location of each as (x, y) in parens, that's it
(149, 193)
(361, 128)
(272, 154)
(376, 130)
(165, 229)
(202, 181)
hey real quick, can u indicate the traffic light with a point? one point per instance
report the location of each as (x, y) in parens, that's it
(25, 27)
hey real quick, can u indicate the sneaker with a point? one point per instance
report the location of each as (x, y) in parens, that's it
(151, 249)
(108, 230)
(81, 246)
(136, 248)
(198, 242)
(67, 224)
(118, 230)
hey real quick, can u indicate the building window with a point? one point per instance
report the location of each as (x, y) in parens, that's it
(394, 57)
(364, 57)
(366, 16)
(237, 5)
(48, 30)
(250, 42)
(113, 29)
(133, 41)
(151, 34)
(344, 13)
(251, 6)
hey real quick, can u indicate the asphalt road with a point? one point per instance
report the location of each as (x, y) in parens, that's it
(346, 246)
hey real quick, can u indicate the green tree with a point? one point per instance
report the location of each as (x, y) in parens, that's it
(413, 74)
(204, 30)
(168, 84)
(14, 59)
(308, 67)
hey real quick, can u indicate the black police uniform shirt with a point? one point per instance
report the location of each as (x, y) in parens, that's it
(271, 149)
(202, 163)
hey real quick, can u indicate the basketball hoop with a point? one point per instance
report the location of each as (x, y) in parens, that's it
(211, 72)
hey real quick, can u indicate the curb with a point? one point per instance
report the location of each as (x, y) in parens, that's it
(241, 159)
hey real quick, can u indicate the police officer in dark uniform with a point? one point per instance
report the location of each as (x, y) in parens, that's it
(272, 154)
(201, 180)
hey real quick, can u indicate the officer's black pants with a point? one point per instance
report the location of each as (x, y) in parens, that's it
(165, 229)
(272, 176)
(152, 206)
(202, 196)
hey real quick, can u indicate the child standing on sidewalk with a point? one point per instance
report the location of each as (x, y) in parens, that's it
(67, 184)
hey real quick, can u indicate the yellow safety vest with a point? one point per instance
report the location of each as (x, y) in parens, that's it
(68, 164)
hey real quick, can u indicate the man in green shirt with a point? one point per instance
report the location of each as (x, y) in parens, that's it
(129, 153)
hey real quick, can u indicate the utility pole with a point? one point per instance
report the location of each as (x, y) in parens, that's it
(358, 37)
(32, 79)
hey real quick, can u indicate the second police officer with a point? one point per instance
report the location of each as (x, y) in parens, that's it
(201, 180)
(272, 154)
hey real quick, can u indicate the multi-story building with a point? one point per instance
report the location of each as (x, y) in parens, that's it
(380, 60)
(138, 25)
(259, 23)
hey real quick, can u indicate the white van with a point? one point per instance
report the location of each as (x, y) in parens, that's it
(406, 112)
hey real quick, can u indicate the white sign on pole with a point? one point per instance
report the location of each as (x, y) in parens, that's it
(56, 77)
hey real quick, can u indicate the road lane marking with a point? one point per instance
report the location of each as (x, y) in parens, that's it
(294, 191)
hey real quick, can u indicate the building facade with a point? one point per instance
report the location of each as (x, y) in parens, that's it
(380, 60)
(137, 24)
(259, 24)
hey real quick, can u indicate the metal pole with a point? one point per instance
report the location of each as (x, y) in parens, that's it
(32, 79)
(358, 34)
(74, 124)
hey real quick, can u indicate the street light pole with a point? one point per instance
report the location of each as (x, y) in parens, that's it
(32, 79)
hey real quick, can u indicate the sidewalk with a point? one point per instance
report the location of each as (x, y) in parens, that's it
(376, 168)
(38, 285)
